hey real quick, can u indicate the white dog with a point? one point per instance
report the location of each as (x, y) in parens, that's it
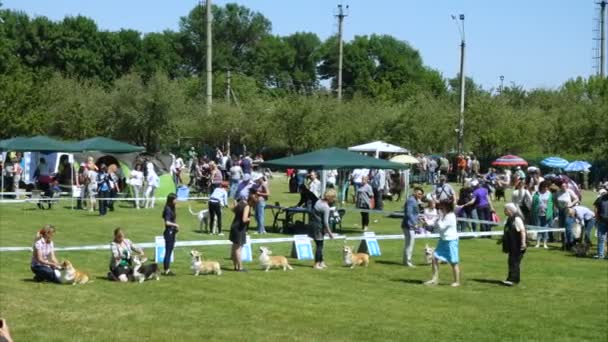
(268, 261)
(203, 218)
(205, 267)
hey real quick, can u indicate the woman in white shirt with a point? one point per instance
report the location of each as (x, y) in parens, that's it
(447, 247)
(566, 198)
(153, 183)
(136, 180)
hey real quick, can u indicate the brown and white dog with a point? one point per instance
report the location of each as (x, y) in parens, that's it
(354, 259)
(70, 275)
(268, 261)
(205, 267)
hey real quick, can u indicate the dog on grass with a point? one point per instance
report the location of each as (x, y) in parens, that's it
(354, 259)
(203, 218)
(143, 272)
(268, 261)
(205, 267)
(71, 275)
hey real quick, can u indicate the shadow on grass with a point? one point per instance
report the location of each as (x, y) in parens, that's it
(408, 281)
(489, 281)
(388, 262)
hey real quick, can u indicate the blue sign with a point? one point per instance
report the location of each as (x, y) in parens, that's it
(159, 250)
(369, 244)
(301, 247)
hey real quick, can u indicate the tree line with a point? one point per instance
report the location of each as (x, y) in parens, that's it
(70, 79)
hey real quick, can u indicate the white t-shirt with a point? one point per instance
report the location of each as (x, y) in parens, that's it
(315, 187)
(447, 227)
(358, 175)
(137, 178)
(236, 172)
(331, 176)
(566, 198)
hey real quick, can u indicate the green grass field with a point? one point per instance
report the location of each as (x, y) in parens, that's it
(561, 298)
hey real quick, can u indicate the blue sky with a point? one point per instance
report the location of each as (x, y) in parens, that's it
(533, 43)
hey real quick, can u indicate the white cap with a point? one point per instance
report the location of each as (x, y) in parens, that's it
(256, 176)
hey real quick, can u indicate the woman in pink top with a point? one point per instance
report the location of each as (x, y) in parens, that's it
(44, 263)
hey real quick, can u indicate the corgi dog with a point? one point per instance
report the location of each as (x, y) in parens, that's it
(203, 218)
(428, 253)
(354, 259)
(268, 261)
(70, 275)
(142, 272)
(205, 267)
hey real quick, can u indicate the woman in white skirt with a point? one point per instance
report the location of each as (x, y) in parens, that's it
(447, 247)
(153, 184)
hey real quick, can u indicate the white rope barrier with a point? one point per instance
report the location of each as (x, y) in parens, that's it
(117, 199)
(272, 240)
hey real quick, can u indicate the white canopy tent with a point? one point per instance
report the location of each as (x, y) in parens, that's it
(378, 147)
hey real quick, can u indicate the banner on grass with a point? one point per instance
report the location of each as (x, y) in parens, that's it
(369, 244)
(301, 247)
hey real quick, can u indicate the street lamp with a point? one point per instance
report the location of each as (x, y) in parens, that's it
(460, 24)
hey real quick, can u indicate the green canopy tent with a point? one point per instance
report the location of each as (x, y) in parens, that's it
(332, 158)
(38, 143)
(329, 159)
(102, 144)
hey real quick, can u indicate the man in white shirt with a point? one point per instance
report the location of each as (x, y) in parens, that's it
(217, 200)
(586, 218)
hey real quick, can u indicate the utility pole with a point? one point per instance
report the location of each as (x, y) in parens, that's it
(228, 87)
(462, 83)
(603, 38)
(228, 95)
(209, 45)
(341, 15)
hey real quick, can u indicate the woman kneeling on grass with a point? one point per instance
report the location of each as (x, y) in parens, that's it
(44, 263)
(238, 229)
(514, 242)
(120, 261)
(447, 247)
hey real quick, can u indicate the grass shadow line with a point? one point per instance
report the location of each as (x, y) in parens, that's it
(488, 281)
(408, 281)
(388, 262)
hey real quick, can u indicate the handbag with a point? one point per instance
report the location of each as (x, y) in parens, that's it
(495, 218)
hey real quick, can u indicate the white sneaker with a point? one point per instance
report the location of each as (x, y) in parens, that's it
(537, 245)
(455, 284)
(323, 265)
(221, 234)
(317, 267)
(545, 246)
(507, 283)
(431, 282)
(409, 264)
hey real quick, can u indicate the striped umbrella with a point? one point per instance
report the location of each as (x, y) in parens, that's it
(577, 166)
(555, 162)
(509, 161)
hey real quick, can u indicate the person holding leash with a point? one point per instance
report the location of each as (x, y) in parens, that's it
(171, 229)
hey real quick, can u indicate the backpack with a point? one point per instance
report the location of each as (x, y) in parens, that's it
(602, 208)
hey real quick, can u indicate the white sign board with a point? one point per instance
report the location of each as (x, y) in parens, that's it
(246, 254)
(159, 250)
(369, 244)
(301, 248)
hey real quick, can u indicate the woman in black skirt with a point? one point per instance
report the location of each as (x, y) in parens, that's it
(238, 229)
(171, 229)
